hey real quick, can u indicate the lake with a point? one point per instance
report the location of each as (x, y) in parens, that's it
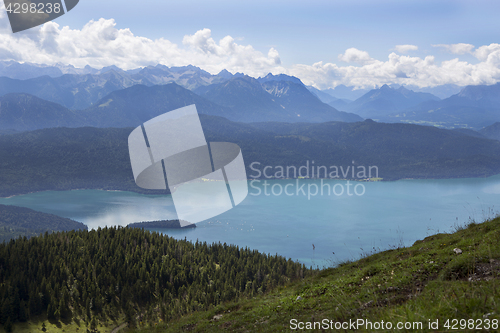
(318, 230)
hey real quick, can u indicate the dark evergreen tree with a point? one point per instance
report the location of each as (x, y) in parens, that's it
(51, 312)
(8, 325)
(23, 312)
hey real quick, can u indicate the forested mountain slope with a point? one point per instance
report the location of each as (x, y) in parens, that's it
(21, 221)
(97, 158)
(103, 275)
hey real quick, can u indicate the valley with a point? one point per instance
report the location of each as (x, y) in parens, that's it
(95, 251)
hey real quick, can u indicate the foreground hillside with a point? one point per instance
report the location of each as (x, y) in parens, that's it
(130, 280)
(427, 281)
(102, 278)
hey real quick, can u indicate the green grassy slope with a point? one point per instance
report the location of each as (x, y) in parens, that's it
(427, 281)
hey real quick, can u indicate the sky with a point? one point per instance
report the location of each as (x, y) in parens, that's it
(357, 43)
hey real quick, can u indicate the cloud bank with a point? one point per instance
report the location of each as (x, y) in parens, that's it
(402, 69)
(100, 43)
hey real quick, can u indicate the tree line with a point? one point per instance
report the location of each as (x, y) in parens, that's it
(102, 275)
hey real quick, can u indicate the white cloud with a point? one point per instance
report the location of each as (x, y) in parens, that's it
(484, 52)
(355, 55)
(401, 70)
(100, 44)
(406, 48)
(460, 48)
(227, 54)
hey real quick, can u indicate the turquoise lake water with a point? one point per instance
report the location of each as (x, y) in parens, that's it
(377, 216)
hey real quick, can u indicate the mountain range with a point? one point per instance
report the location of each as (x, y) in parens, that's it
(234, 96)
(80, 91)
(386, 100)
(188, 76)
(473, 107)
(239, 99)
(288, 100)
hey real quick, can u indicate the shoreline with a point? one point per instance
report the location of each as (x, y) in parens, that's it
(141, 191)
(73, 189)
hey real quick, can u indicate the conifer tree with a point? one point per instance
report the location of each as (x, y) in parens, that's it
(8, 325)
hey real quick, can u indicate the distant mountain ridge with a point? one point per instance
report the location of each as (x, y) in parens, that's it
(15, 70)
(239, 99)
(133, 106)
(473, 107)
(488, 95)
(326, 98)
(244, 99)
(24, 112)
(280, 77)
(81, 88)
(271, 100)
(80, 91)
(23, 71)
(129, 107)
(71, 91)
(386, 100)
(492, 131)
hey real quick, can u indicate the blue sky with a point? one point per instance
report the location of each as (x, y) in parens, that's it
(292, 36)
(305, 31)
